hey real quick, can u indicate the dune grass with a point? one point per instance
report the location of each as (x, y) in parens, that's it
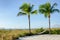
(14, 34)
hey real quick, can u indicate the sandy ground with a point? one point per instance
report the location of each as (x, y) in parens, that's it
(41, 37)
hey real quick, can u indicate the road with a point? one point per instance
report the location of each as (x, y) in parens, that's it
(41, 37)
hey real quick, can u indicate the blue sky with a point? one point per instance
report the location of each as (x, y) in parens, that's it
(10, 8)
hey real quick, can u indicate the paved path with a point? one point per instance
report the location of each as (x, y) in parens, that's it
(41, 37)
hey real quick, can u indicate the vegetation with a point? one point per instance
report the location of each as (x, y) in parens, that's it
(47, 9)
(27, 9)
(14, 34)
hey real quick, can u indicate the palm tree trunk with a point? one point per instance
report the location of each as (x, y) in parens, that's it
(49, 26)
(29, 24)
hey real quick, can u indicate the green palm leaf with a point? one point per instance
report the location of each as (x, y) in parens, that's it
(53, 6)
(47, 9)
(55, 10)
(34, 12)
(21, 13)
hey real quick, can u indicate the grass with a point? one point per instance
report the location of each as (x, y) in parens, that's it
(10, 34)
(14, 34)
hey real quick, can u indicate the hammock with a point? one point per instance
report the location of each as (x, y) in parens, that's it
(42, 32)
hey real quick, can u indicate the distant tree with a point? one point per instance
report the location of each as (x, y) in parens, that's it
(47, 9)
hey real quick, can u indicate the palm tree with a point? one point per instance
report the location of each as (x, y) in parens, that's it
(27, 9)
(47, 9)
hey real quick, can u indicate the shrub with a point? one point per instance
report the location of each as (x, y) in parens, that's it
(39, 30)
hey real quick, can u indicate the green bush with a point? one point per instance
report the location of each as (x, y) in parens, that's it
(53, 32)
(39, 30)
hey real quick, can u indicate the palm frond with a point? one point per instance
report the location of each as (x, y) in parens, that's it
(53, 6)
(31, 8)
(21, 13)
(25, 7)
(42, 10)
(55, 10)
(34, 12)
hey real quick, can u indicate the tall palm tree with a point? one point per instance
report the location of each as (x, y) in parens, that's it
(27, 9)
(47, 9)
